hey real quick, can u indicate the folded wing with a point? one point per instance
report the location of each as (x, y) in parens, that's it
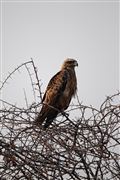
(53, 98)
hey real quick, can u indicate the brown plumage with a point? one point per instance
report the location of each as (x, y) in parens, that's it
(59, 93)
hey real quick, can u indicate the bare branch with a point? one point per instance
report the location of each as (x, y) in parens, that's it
(85, 145)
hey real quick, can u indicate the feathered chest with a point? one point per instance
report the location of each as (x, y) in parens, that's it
(71, 85)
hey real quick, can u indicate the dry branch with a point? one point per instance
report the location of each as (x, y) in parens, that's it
(86, 147)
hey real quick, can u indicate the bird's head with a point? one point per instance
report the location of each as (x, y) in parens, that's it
(69, 63)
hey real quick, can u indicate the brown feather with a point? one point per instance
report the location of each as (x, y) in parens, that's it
(59, 93)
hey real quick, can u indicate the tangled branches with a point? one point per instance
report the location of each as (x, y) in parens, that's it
(84, 145)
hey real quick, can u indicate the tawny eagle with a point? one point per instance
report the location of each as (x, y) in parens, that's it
(59, 92)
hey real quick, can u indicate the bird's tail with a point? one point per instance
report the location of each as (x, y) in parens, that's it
(47, 123)
(39, 119)
(50, 119)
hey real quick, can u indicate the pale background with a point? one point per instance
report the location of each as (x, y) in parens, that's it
(49, 32)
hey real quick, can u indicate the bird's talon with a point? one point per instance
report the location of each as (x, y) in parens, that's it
(65, 114)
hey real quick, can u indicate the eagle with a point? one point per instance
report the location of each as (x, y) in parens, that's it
(59, 92)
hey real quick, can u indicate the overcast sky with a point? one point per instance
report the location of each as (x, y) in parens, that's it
(49, 32)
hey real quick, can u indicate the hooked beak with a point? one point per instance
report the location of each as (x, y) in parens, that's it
(76, 63)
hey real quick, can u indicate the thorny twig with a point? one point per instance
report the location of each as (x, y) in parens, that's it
(84, 148)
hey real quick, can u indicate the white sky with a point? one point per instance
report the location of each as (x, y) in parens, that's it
(49, 32)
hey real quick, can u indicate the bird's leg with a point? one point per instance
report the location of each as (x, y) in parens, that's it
(65, 114)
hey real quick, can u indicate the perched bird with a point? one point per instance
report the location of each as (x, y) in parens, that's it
(59, 92)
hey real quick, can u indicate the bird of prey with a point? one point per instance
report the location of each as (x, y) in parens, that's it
(59, 92)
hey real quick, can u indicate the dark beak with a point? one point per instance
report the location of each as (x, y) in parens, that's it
(76, 63)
